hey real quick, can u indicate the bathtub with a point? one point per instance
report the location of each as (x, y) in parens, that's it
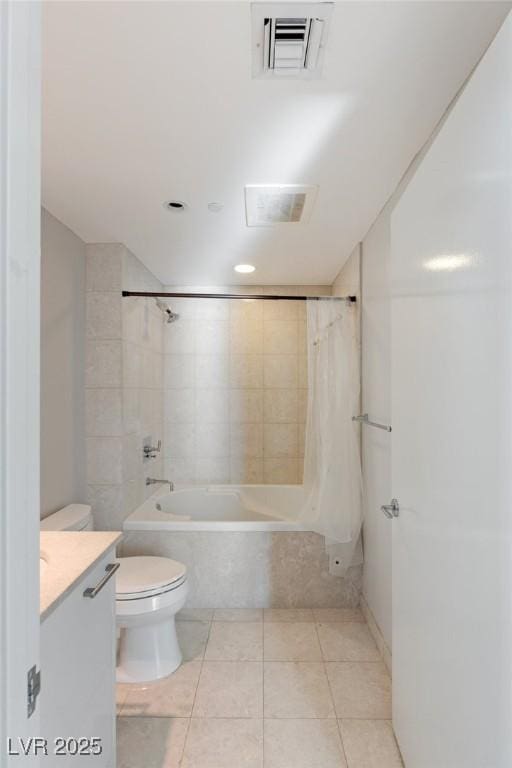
(243, 547)
(221, 508)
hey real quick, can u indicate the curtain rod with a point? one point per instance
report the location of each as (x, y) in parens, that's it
(264, 296)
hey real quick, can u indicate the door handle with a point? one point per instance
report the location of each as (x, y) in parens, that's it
(391, 510)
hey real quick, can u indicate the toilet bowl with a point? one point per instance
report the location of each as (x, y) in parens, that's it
(149, 592)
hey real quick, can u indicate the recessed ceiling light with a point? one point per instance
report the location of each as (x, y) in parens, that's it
(244, 268)
(178, 206)
(215, 207)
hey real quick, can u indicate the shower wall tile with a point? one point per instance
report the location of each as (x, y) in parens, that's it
(103, 412)
(281, 371)
(281, 405)
(281, 471)
(280, 441)
(124, 382)
(233, 405)
(280, 337)
(179, 371)
(246, 371)
(103, 315)
(104, 460)
(104, 268)
(103, 363)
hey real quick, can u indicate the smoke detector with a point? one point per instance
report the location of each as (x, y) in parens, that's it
(267, 205)
(288, 39)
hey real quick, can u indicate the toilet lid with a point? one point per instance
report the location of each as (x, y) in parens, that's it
(140, 576)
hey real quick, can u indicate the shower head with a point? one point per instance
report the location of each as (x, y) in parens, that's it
(170, 316)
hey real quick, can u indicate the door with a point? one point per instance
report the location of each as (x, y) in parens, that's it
(19, 368)
(451, 235)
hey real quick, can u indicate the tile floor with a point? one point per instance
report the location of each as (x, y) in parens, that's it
(291, 688)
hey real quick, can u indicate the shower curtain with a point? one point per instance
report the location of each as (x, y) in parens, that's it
(332, 464)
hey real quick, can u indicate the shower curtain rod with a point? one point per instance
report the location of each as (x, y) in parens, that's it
(265, 296)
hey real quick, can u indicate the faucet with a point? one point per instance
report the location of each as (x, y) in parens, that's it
(153, 481)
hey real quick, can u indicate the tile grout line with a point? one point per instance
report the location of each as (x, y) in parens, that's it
(331, 695)
(195, 695)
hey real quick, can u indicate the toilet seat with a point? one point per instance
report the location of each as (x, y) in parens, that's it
(147, 576)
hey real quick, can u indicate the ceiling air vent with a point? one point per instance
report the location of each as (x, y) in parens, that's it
(268, 205)
(289, 38)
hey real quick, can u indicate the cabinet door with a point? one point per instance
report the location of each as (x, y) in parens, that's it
(78, 670)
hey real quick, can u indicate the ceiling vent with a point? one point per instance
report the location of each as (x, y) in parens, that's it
(289, 38)
(269, 204)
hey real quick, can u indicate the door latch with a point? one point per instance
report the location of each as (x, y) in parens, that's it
(33, 689)
(391, 510)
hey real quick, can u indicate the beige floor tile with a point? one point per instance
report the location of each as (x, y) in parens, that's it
(195, 614)
(172, 696)
(302, 744)
(287, 641)
(296, 689)
(230, 689)
(347, 641)
(192, 637)
(288, 614)
(152, 742)
(338, 614)
(360, 689)
(218, 743)
(235, 641)
(238, 614)
(370, 744)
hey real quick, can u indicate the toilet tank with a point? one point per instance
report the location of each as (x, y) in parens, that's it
(74, 517)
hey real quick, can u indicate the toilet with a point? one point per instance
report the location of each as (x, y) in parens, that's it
(149, 592)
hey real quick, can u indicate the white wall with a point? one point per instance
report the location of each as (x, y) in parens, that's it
(62, 365)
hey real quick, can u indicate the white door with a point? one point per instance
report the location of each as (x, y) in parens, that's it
(451, 240)
(19, 370)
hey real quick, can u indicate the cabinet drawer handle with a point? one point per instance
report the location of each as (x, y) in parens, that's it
(110, 570)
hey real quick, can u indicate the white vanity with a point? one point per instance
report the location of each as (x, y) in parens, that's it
(77, 699)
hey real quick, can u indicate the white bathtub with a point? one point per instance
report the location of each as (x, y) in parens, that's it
(220, 508)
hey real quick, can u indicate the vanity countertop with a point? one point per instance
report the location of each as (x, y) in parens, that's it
(68, 556)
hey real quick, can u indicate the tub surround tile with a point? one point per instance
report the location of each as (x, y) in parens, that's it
(235, 641)
(360, 689)
(152, 742)
(192, 637)
(103, 412)
(266, 569)
(347, 641)
(212, 471)
(291, 642)
(172, 696)
(246, 406)
(212, 371)
(281, 406)
(370, 744)
(224, 743)
(230, 689)
(296, 690)
(104, 460)
(280, 441)
(303, 744)
(288, 614)
(280, 337)
(332, 615)
(281, 371)
(282, 310)
(212, 337)
(246, 371)
(238, 614)
(179, 372)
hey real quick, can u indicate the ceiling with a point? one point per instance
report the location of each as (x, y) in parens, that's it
(149, 101)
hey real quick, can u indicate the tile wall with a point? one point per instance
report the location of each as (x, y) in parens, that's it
(235, 391)
(123, 381)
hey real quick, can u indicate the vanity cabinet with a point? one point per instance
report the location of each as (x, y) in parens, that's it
(77, 700)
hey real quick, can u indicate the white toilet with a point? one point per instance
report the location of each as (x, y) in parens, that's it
(149, 593)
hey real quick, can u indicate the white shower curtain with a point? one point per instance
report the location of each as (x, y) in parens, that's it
(332, 465)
